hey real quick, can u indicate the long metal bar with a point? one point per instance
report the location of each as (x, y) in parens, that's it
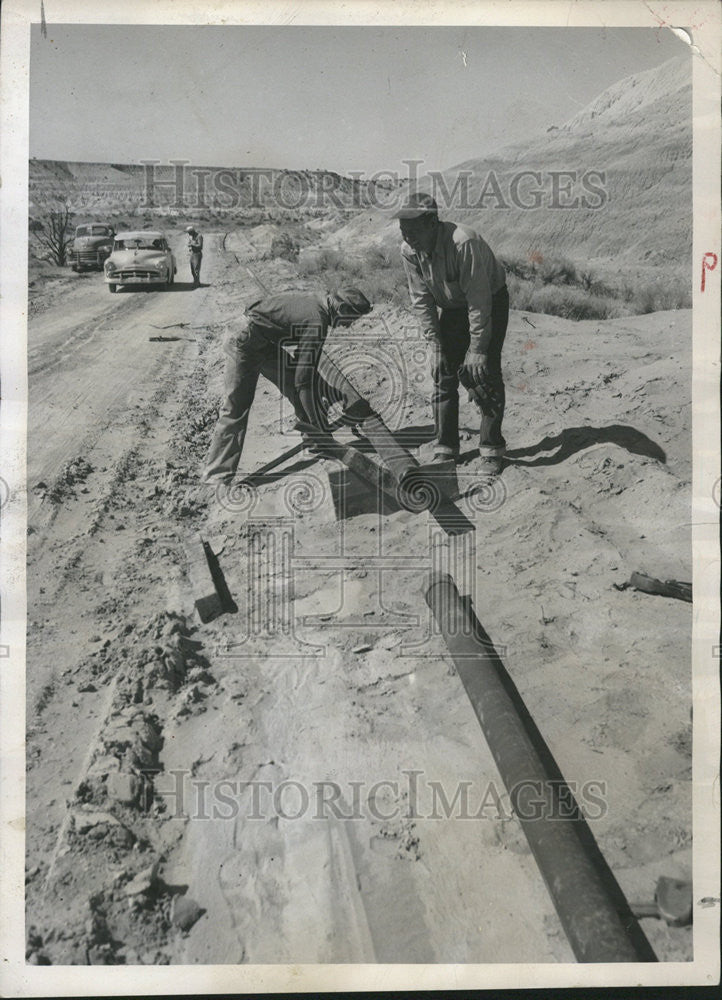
(599, 928)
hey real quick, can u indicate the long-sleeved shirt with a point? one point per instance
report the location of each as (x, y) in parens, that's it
(195, 243)
(460, 272)
(301, 318)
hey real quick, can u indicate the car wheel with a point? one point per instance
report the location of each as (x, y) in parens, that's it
(112, 288)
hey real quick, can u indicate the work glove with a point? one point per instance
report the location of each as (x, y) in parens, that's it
(474, 370)
(357, 412)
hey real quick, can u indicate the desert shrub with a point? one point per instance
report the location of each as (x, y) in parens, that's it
(627, 290)
(557, 271)
(520, 293)
(547, 270)
(52, 235)
(586, 279)
(381, 286)
(377, 270)
(591, 283)
(284, 246)
(561, 300)
(674, 294)
(555, 285)
(320, 261)
(573, 303)
(517, 266)
(379, 257)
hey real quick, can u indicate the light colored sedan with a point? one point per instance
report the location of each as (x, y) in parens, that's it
(140, 258)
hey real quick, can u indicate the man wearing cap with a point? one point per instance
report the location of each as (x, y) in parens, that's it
(195, 249)
(302, 319)
(458, 292)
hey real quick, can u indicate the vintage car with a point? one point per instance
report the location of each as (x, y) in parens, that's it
(140, 258)
(91, 246)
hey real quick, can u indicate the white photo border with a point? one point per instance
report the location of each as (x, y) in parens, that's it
(17, 979)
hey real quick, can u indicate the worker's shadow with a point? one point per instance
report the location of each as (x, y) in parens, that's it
(563, 445)
(574, 439)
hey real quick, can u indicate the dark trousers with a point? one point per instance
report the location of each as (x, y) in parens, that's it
(196, 259)
(249, 355)
(454, 343)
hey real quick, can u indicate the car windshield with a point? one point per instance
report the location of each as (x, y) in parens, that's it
(140, 243)
(81, 231)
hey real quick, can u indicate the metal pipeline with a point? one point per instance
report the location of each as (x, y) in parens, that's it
(396, 458)
(418, 487)
(599, 928)
(415, 488)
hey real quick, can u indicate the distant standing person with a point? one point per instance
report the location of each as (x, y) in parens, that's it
(299, 319)
(458, 292)
(195, 249)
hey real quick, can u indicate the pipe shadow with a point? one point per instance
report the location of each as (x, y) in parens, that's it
(574, 439)
(266, 478)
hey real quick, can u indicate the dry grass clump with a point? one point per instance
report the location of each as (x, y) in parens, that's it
(660, 295)
(552, 285)
(283, 245)
(376, 269)
(556, 286)
(561, 300)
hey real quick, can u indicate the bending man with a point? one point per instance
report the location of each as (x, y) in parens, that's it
(299, 318)
(458, 291)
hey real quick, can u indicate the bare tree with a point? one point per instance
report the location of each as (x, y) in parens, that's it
(53, 234)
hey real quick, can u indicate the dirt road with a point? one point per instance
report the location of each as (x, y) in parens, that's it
(337, 734)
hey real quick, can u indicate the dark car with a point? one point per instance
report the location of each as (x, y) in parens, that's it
(91, 246)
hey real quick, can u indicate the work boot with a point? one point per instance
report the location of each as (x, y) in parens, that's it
(490, 465)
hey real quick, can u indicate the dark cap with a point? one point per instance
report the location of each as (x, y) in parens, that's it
(416, 205)
(354, 299)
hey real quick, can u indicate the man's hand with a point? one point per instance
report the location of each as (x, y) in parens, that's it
(474, 369)
(315, 438)
(357, 412)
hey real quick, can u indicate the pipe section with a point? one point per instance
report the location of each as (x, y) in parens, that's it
(591, 918)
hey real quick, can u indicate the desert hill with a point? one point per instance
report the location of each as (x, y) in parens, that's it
(255, 193)
(611, 184)
(637, 134)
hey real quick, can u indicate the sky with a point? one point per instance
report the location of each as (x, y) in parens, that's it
(349, 99)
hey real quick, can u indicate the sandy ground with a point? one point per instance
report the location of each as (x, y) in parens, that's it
(325, 704)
